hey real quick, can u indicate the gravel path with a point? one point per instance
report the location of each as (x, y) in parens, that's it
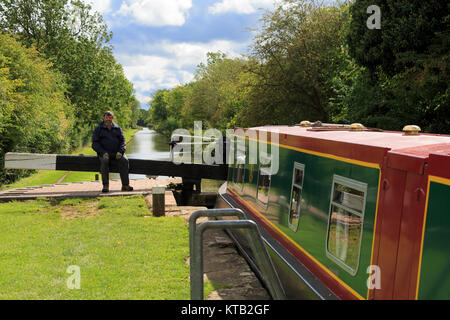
(85, 189)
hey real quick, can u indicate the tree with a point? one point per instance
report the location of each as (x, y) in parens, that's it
(143, 118)
(33, 106)
(297, 51)
(135, 113)
(407, 64)
(76, 41)
(53, 25)
(408, 29)
(215, 97)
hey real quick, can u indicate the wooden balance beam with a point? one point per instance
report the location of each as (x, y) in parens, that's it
(92, 164)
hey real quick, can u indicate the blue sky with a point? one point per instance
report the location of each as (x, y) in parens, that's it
(160, 42)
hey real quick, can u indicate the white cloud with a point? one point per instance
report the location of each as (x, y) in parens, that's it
(149, 72)
(186, 76)
(172, 65)
(240, 6)
(142, 98)
(101, 6)
(192, 53)
(156, 12)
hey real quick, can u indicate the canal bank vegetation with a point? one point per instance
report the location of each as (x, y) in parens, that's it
(315, 61)
(57, 77)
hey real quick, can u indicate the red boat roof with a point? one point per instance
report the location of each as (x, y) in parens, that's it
(418, 145)
(403, 151)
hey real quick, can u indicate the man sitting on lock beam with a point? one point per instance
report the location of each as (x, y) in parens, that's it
(109, 143)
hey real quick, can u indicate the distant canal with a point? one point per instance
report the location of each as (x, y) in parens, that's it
(146, 144)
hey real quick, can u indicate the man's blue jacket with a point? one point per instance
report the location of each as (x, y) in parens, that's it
(108, 141)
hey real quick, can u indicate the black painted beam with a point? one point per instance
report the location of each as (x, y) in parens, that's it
(137, 166)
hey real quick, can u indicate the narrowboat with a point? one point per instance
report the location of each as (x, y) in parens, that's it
(351, 212)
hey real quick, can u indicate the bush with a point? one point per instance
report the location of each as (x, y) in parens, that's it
(33, 106)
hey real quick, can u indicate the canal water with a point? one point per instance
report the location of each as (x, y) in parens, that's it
(146, 144)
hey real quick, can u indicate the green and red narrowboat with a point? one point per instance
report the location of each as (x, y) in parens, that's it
(350, 213)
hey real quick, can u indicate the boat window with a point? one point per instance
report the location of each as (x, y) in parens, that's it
(264, 177)
(296, 195)
(346, 222)
(239, 166)
(239, 174)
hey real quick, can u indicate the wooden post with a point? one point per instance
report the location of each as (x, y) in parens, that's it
(158, 201)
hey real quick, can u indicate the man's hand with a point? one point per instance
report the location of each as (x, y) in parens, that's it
(118, 156)
(106, 156)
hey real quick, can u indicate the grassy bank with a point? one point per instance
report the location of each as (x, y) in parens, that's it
(52, 176)
(121, 252)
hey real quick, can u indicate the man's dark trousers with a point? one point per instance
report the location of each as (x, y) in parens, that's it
(123, 169)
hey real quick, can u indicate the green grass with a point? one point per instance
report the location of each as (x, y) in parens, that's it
(129, 133)
(51, 176)
(79, 176)
(210, 286)
(38, 178)
(121, 254)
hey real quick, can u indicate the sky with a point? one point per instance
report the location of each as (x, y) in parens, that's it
(159, 43)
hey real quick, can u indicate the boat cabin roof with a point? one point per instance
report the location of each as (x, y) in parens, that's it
(421, 144)
(409, 152)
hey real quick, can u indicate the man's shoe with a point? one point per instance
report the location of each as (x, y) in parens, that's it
(127, 188)
(105, 189)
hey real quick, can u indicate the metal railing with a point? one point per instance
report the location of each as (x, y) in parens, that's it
(222, 144)
(198, 140)
(264, 263)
